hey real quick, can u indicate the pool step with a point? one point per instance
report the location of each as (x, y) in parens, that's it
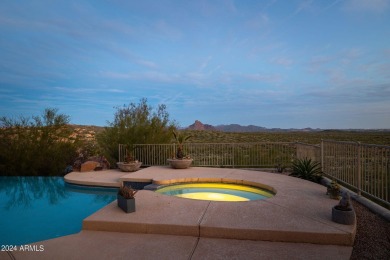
(254, 220)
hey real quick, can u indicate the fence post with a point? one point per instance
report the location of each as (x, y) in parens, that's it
(119, 152)
(359, 169)
(233, 153)
(322, 155)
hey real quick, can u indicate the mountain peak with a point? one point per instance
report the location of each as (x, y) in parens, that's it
(200, 126)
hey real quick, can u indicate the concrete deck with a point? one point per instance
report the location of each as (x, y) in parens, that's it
(113, 245)
(294, 224)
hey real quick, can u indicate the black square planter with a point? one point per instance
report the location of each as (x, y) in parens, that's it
(127, 205)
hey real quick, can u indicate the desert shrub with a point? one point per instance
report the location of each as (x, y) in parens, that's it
(135, 124)
(307, 169)
(37, 146)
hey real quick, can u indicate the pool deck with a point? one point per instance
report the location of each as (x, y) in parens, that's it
(294, 224)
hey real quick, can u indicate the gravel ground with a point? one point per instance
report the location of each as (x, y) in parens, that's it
(372, 239)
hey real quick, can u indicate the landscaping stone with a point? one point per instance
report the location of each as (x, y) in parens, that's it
(89, 166)
(104, 164)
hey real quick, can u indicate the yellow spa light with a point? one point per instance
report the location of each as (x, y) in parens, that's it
(214, 196)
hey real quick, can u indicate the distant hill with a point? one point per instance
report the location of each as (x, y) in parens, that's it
(240, 128)
(88, 132)
(200, 126)
(197, 125)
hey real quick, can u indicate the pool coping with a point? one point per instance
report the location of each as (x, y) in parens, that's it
(299, 213)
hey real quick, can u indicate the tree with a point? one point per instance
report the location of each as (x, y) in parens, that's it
(37, 146)
(136, 124)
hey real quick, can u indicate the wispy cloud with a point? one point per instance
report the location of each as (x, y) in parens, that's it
(260, 77)
(353, 94)
(332, 4)
(258, 22)
(205, 63)
(163, 28)
(218, 59)
(195, 78)
(302, 6)
(370, 6)
(284, 61)
(316, 63)
(88, 90)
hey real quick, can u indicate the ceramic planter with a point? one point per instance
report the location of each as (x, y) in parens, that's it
(129, 167)
(180, 163)
(127, 205)
(346, 217)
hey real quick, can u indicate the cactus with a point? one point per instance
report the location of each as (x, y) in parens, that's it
(333, 190)
(127, 192)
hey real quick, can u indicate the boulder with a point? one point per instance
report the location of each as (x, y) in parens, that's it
(103, 162)
(89, 166)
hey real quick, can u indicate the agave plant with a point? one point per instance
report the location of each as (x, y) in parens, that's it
(180, 139)
(307, 169)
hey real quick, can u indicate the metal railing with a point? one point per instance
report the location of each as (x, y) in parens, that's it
(308, 151)
(363, 167)
(148, 154)
(260, 155)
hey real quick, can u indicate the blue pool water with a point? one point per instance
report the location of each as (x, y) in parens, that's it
(38, 208)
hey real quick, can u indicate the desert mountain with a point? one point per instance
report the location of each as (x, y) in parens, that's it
(225, 128)
(200, 126)
(239, 128)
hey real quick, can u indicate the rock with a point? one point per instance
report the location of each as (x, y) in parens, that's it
(89, 166)
(104, 164)
(81, 164)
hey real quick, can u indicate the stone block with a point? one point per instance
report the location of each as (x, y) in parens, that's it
(89, 166)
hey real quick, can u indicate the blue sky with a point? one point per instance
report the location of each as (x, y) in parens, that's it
(272, 63)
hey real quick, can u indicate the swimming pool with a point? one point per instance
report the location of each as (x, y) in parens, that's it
(215, 191)
(39, 208)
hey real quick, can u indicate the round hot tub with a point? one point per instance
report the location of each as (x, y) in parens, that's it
(216, 191)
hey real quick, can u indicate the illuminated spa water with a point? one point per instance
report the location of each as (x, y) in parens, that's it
(215, 192)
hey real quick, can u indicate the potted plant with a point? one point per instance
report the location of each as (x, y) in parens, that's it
(180, 161)
(126, 200)
(343, 213)
(130, 164)
(333, 190)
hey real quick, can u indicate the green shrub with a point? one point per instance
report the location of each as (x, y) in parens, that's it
(307, 169)
(135, 124)
(35, 147)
